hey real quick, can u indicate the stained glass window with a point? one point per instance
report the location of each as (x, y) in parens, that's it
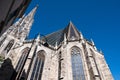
(77, 65)
(38, 66)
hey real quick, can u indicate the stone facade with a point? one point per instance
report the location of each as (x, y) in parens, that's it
(50, 57)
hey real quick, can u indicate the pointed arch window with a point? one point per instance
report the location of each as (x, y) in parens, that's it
(38, 66)
(22, 59)
(77, 65)
(9, 46)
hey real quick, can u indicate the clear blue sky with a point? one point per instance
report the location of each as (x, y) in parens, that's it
(96, 19)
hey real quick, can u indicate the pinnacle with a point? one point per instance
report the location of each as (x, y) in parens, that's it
(70, 23)
(31, 14)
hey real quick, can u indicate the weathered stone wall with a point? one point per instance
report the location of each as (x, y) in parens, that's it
(94, 63)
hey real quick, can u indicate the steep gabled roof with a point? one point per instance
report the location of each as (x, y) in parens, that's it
(70, 31)
(54, 37)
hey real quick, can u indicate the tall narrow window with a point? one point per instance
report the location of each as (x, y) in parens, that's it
(38, 66)
(9, 46)
(22, 59)
(77, 65)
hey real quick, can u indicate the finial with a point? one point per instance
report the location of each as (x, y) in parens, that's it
(56, 45)
(37, 5)
(101, 51)
(31, 14)
(92, 42)
(70, 22)
(38, 37)
(81, 35)
(65, 39)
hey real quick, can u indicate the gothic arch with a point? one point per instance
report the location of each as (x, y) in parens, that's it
(77, 64)
(41, 53)
(9, 46)
(76, 48)
(20, 64)
(22, 58)
(38, 65)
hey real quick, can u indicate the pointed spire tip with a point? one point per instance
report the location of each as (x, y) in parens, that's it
(38, 36)
(37, 6)
(70, 22)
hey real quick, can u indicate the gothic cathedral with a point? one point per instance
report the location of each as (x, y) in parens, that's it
(61, 55)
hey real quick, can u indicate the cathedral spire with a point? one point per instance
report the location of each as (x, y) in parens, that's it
(30, 16)
(21, 28)
(26, 24)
